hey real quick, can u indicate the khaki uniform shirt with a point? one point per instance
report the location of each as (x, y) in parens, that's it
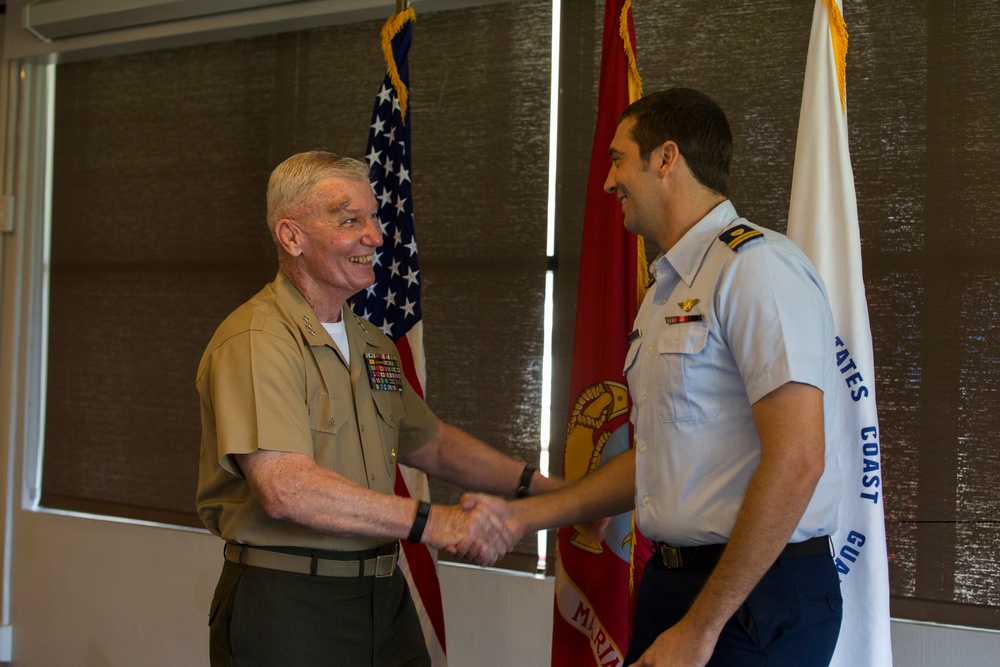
(272, 378)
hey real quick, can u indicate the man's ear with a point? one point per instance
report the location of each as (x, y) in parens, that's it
(665, 157)
(289, 236)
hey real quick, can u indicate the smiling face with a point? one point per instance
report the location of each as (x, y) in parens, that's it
(334, 235)
(633, 181)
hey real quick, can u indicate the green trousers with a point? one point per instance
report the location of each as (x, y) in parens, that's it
(269, 618)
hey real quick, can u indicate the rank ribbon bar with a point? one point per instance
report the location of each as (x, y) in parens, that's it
(384, 372)
(680, 319)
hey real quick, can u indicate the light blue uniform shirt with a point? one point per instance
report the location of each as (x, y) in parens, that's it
(759, 317)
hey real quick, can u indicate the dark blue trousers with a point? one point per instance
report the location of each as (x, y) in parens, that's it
(792, 618)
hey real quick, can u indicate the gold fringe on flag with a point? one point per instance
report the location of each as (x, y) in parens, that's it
(642, 270)
(390, 30)
(642, 267)
(634, 82)
(634, 93)
(631, 571)
(838, 34)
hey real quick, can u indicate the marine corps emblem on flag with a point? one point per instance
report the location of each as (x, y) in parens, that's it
(595, 435)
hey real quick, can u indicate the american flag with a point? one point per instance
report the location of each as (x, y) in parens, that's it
(392, 303)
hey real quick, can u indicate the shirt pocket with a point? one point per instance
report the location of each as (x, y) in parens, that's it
(391, 411)
(690, 387)
(328, 417)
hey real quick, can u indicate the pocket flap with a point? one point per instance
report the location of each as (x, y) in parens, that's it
(328, 413)
(684, 338)
(390, 406)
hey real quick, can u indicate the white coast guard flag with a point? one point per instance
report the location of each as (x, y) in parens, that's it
(823, 221)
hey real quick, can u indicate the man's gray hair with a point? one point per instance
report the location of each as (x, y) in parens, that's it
(292, 181)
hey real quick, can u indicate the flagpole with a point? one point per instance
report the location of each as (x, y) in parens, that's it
(401, 5)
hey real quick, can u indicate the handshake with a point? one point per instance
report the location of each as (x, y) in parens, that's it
(481, 529)
(484, 528)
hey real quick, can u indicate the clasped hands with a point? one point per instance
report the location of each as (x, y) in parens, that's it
(481, 529)
(484, 528)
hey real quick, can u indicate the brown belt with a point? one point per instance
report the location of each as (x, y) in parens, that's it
(378, 563)
(677, 557)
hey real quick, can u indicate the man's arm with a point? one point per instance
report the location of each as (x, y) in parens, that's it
(456, 457)
(789, 421)
(293, 487)
(607, 491)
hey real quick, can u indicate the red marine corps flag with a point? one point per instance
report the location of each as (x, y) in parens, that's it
(823, 221)
(592, 605)
(392, 303)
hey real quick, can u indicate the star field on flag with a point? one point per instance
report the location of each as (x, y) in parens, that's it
(392, 303)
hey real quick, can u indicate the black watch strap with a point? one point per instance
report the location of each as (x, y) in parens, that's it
(419, 522)
(525, 483)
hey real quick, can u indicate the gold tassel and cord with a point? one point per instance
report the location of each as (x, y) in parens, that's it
(634, 93)
(390, 30)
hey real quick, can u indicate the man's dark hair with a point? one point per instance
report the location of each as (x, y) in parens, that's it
(695, 123)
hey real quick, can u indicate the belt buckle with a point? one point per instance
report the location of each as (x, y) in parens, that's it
(384, 565)
(671, 556)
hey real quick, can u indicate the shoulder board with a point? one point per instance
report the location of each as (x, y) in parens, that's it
(737, 235)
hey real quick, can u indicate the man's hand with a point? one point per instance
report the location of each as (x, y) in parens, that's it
(476, 533)
(510, 514)
(514, 515)
(510, 526)
(679, 646)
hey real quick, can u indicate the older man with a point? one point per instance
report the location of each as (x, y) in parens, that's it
(305, 412)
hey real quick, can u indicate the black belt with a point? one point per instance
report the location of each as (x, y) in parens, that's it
(676, 557)
(380, 562)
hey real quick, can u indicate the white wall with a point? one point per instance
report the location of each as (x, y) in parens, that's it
(98, 594)
(916, 644)
(496, 617)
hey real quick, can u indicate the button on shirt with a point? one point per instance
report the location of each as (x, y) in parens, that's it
(720, 329)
